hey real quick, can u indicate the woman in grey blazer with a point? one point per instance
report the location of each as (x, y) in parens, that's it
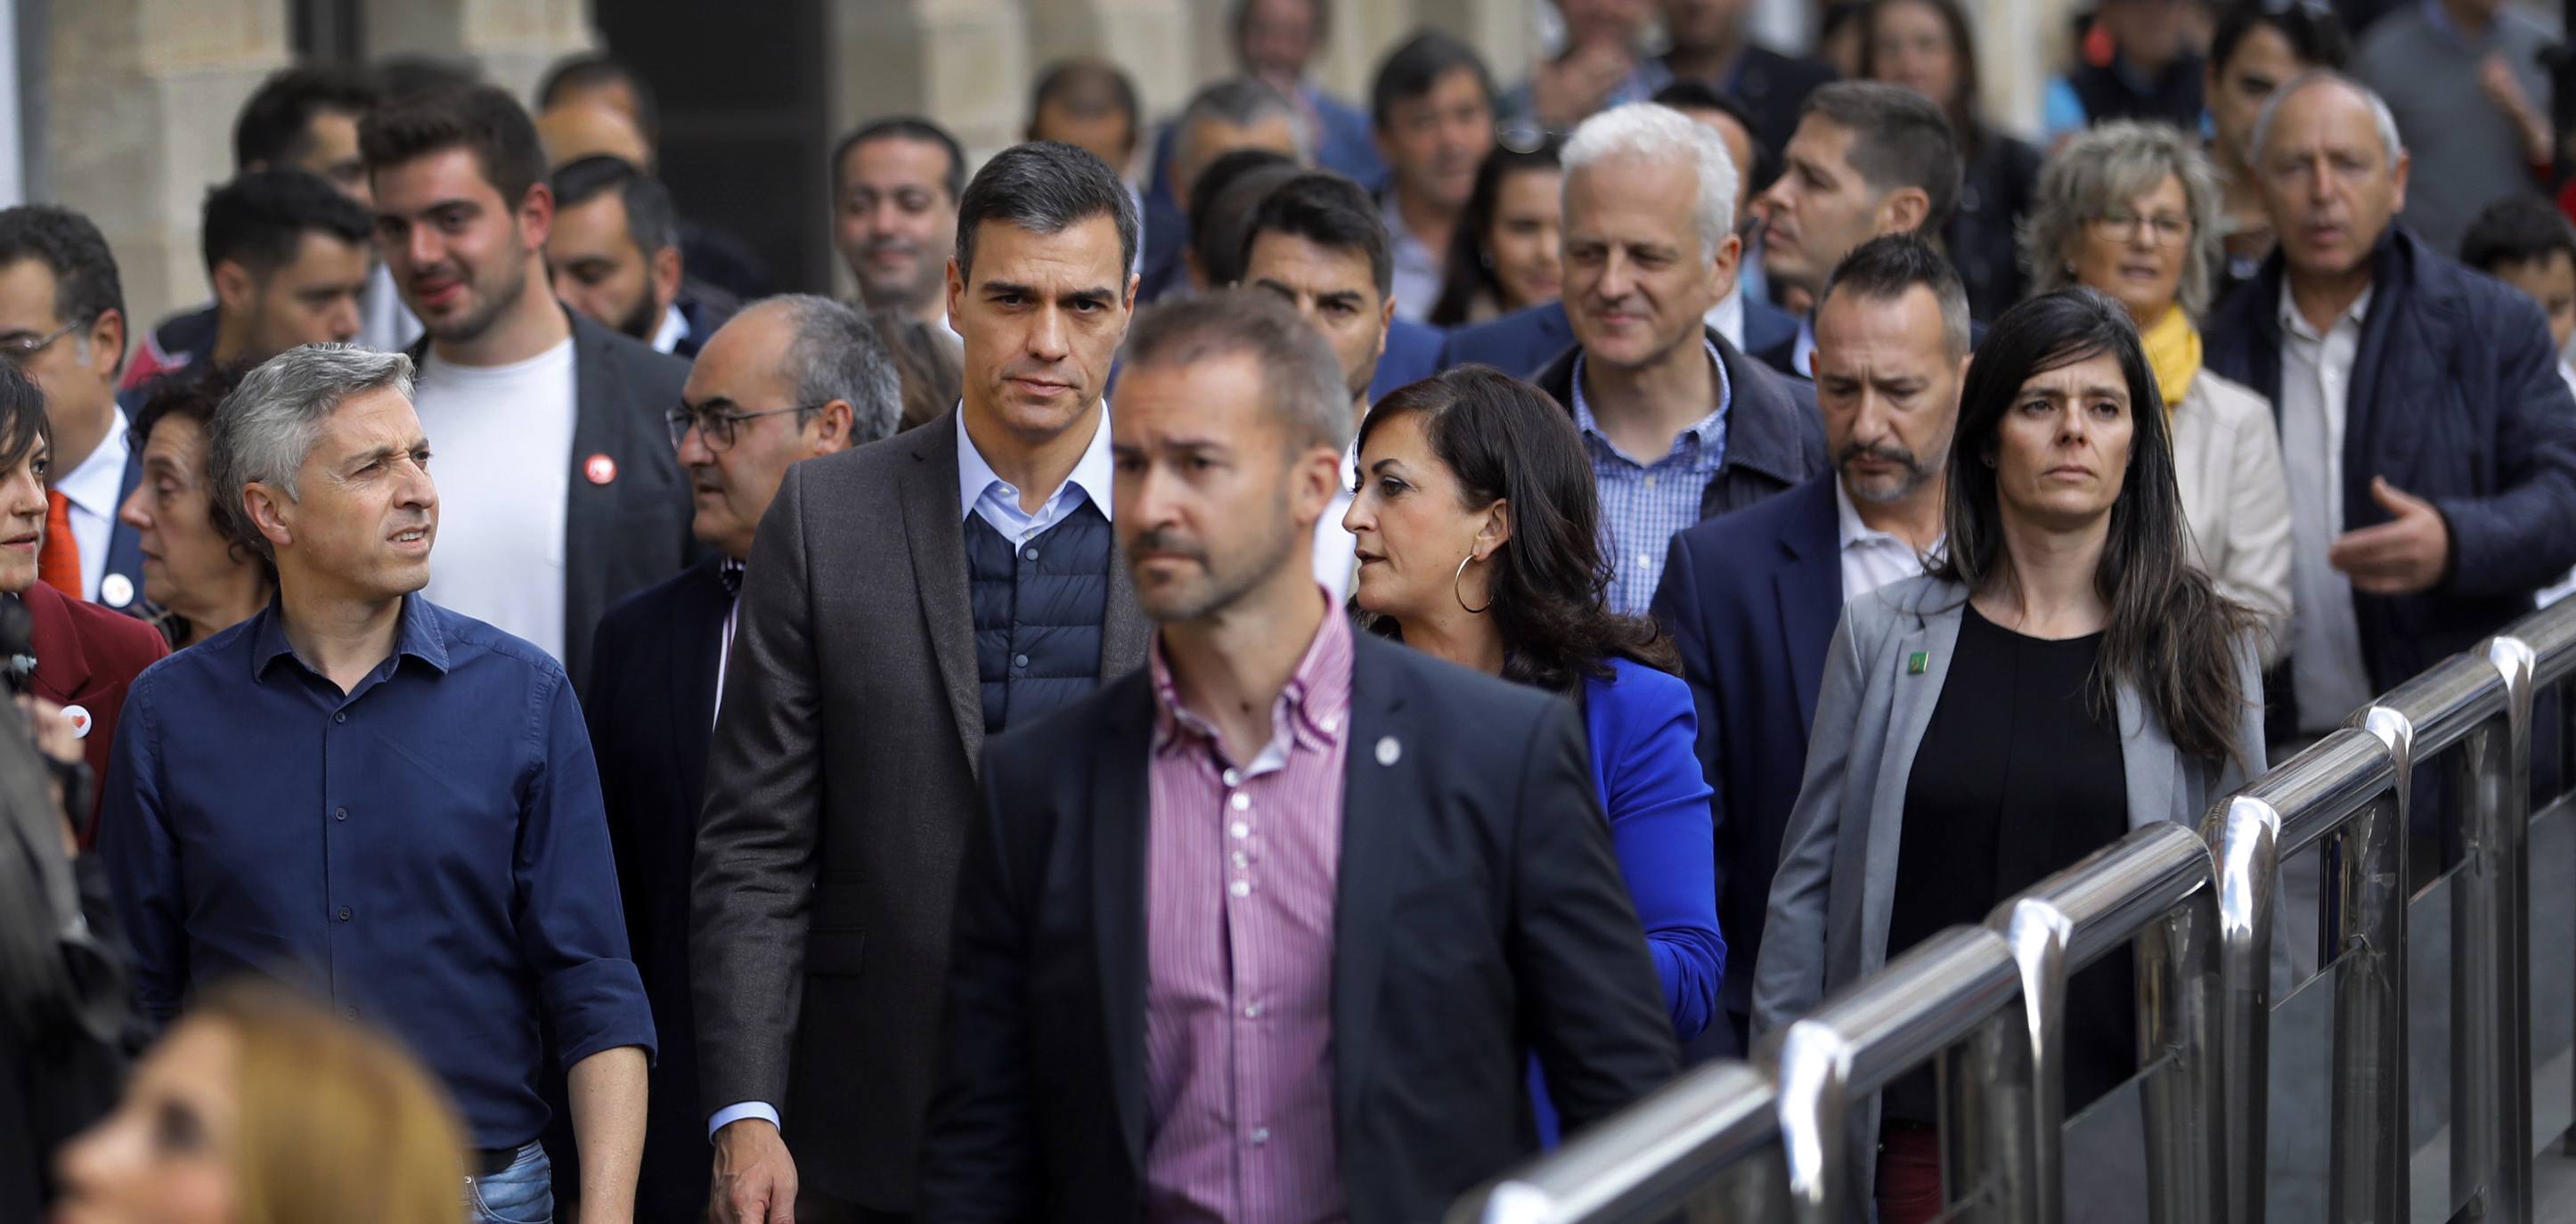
(2062, 676)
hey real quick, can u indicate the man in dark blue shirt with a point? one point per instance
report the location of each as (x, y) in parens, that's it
(359, 790)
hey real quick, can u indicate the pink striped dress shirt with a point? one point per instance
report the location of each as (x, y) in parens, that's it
(1240, 865)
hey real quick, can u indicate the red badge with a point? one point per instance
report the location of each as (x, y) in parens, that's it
(600, 469)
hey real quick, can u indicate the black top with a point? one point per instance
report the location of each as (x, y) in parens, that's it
(2017, 777)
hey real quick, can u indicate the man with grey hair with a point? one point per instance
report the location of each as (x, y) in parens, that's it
(1678, 423)
(390, 801)
(2430, 445)
(1236, 113)
(903, 601)
(788, 379)
(1419, 923)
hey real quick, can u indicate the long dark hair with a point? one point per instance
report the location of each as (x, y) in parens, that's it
(1961, 106)
(1468, 273)
(1506, 440)
(2171, 635)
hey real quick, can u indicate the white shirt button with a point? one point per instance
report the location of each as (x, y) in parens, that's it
(1260, 1135)
(1234, 777)
(1239, 829)
(1329, 723)
(1240, 802)
(1650, 482)
(1251, 1011)
(1240, 888)
(1240, 860)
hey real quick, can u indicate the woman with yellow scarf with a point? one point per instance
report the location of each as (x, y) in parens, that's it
(2131, 209)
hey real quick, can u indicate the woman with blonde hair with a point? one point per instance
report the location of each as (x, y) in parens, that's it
(2132, 209)
(260, 1107)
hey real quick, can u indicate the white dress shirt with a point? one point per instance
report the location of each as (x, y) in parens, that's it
(674, 329)
(1336, 549)
(2328, 677)
(1728, 316)
(1871, 558)
(92, 490)
(1418, 268)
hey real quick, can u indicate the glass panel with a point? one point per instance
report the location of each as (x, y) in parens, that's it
(2105, 1163)
(2295, 1159)
(2553, 975)
(2428, 1050)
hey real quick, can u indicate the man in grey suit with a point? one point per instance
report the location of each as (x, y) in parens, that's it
(903, 602)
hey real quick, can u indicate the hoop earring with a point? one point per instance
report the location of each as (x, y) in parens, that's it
(1462, 600)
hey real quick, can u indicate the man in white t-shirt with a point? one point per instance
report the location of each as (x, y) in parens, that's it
(558, 491)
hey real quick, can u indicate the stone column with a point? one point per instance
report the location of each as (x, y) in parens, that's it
(1151, 39)
(138, 120)
(513, 41)
(2011, 78)
(961, 63)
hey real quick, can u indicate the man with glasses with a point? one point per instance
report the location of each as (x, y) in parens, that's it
(561, 494)
(786, 380)
(62, 324)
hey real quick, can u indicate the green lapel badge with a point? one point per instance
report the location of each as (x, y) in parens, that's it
(1918, 663)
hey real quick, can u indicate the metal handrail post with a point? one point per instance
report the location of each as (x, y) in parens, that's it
(2244, 833)
(2490, 974)
(2178, 1016)
(2365, 926)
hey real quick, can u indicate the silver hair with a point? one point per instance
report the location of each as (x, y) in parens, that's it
(1238, 102)
(2389, 142)
(263, 431)
(1662, 134)
(834, 353)
(1298, 366)
(2102, 169)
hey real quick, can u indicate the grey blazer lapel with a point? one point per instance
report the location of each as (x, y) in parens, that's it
(933, 534)
(1916, 669)
(2153, 767)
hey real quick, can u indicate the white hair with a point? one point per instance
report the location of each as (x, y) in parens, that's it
(1662, 134)
(2379, 113)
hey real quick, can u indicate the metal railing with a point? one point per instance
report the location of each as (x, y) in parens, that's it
(1773, 1140)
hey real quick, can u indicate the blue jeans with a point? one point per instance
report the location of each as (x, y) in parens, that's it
(524, 1193)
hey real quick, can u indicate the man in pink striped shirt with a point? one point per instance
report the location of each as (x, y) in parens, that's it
(1269, 932)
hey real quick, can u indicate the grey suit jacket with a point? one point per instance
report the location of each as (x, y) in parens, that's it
(1827, 924)
(840, 785)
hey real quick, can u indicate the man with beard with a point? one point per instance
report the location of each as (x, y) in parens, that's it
(895, 185)
(615, 255)
(562, 493)
(1751, 598)
(1433, 104)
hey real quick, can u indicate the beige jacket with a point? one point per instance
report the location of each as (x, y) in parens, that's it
(2236, 499)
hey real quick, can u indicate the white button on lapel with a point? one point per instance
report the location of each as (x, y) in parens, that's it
(1389, 751)
(116, 590)
(78, 717)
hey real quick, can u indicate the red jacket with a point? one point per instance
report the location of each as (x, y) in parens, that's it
(87, 656)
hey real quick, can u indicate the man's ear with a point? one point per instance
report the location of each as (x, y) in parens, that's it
(107, 342)
(234, 286)
(829, 432)
(536, 217)
(266, 507)
(663, 273)
(1904, 210)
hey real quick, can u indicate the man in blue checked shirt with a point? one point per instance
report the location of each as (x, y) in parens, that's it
(360, 791)
(1679, 424)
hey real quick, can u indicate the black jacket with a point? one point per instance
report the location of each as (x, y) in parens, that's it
(2456, 399)
(631, 530)
(1774, 436)
(1480, 918)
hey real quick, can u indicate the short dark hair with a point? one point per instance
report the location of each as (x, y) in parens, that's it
(1087, 86)
(2313, 31)
(1884, 267)
(1899, 139)
(1299, 370)
(85, 280)
(1046, 186)
(409, 76)
(1221, 204)
(2516, 229)
(1468, 273)
(260, 218)
(275, 126)
(1690, 94)
(1330, 211)
(600, 70)
(651, 220)
(1413, 69)
(905, 127)
(481, 119)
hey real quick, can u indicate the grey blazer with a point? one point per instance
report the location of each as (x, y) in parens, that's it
(840, 785)
(1827, 925)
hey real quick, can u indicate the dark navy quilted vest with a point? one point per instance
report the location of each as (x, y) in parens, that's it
(1038, 609)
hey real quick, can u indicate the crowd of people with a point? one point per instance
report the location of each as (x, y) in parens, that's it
(1270, 689)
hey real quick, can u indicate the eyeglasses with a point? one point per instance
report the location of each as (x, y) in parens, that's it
(2169, 229)
(717, 428)
(24, 349)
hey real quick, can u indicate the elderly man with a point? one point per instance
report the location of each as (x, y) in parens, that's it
(1679, 424)
(383, 798)
(787, 380)
(1229, 115)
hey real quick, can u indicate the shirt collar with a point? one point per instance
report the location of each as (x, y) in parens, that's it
(94, 485)
(1703, 429)
(1091, 474)
(2296, 324)
(1727, 317)
(419, 635)
(674, 329)
(1316, 701)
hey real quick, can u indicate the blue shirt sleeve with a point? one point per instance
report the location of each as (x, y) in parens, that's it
(570, 923)
(142, 863)
(2061, 113)
(1663, 832)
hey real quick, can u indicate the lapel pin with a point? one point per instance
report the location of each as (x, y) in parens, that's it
(1389, 751)
(78, 717)
(1918, 663)
(116, 590)
(599, 469)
